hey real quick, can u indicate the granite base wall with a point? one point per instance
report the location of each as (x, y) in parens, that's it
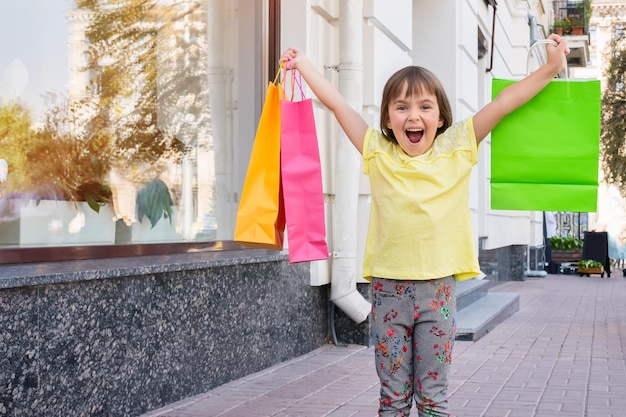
(507, 263)
(87, 345)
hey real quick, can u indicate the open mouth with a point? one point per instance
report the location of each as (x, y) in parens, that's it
(414, 135)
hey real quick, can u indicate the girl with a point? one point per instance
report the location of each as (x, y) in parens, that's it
(419, 239)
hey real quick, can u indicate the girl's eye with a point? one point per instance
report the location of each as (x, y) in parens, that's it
(427, 107)
(401, 107)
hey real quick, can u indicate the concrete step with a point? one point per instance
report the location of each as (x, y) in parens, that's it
(470, 291)
(482, 315)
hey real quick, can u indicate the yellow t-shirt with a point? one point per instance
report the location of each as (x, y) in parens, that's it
(420, 226)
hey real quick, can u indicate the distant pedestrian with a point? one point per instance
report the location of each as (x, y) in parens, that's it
(420, 238)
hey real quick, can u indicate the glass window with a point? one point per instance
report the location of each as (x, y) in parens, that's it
(128, 122)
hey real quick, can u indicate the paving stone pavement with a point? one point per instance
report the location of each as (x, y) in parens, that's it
(561, 354)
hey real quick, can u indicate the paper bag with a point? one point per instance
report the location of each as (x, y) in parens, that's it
(302, 181)
(544, 155)
(260, 217)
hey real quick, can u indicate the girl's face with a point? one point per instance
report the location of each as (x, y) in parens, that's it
(414, 121)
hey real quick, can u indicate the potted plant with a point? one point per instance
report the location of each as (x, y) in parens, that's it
(566, 249)
(562, 26)
(149, 218)
(590, 266)
(56, 190)
(578, 27)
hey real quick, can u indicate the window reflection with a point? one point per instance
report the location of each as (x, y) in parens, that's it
(137, 144)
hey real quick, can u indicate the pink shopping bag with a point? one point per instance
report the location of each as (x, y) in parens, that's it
(302, 179)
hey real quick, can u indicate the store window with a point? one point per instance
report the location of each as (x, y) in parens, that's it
(127, 123)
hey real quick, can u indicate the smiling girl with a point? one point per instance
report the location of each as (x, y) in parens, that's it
(419, 240)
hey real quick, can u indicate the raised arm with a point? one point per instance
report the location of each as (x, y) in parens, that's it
(349, 119)
(520, 92)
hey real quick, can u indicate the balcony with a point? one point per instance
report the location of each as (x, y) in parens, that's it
(571, 19)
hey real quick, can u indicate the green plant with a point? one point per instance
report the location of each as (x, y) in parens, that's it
(588, 10)
(577, 21)
(565, 243)
(94, 194)
(613, 124)
(589, 263)
(565, 23)
(51, 162)
(154, 201)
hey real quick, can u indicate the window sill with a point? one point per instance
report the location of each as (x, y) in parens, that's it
(34, 274)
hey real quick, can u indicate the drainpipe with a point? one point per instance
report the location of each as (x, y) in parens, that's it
(343, 289)
(532, 21)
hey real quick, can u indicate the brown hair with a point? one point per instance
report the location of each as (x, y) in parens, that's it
(416, 79)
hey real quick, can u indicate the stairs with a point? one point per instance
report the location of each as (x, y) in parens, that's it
(479, 311)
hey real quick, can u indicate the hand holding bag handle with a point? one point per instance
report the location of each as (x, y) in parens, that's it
(543, 42)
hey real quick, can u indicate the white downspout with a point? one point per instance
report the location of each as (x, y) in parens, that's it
(343, 289)
(532, 22)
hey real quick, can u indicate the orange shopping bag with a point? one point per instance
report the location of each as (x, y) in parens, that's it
(261, 216)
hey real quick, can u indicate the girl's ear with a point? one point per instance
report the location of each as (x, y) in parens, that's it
(440, 123)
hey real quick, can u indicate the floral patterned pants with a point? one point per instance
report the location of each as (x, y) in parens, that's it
(413, 325)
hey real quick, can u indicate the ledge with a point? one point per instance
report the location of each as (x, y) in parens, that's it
(33, 274)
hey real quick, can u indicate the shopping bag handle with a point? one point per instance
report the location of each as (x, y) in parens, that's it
(277, 75)
(541, 42)
(296, 78)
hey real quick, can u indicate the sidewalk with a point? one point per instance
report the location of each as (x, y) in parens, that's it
(561, 354)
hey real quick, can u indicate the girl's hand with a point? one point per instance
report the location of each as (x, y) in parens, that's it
(556, 54)
(288, 58)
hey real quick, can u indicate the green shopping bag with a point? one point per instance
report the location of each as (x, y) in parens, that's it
(544, 155)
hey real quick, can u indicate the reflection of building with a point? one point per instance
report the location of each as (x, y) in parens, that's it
(205, 170)
(567, 224)
(79, 80)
